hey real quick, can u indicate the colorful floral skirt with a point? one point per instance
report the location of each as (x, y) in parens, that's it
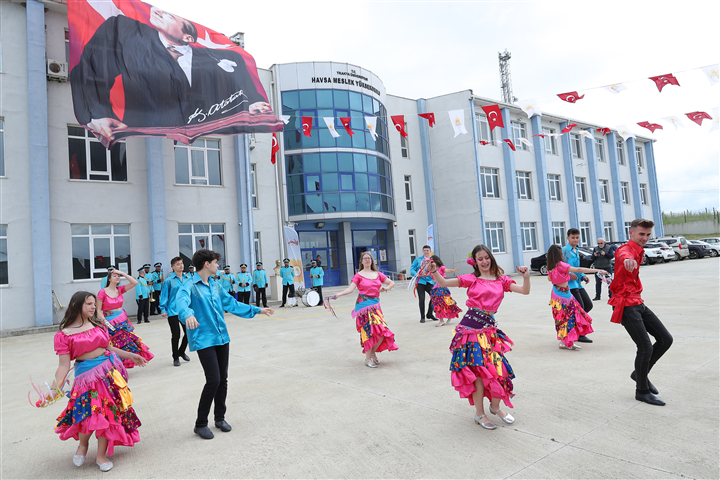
(479, 353)
(443, 303)
(124, 338)
(371, 325)
(100, 402)
(571, 321)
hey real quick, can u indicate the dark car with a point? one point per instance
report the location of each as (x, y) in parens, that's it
(698, 251)
(539, 264)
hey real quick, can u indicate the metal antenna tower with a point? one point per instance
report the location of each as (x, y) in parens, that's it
(505, 81)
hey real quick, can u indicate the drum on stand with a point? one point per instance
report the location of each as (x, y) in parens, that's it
(311, 298)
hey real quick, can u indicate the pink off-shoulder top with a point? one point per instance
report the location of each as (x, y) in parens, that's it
(485, 294)
(77, 344)
(369, 287)
(560, 274)
(109, 303)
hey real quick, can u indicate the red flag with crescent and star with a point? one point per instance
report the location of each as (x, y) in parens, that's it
(494, 116)
(510, 143)
(662, 80)
(570, 97)
(698, 117)
(604, 130)
(346, 123)
(568, 128)
(483, 142)
(430, 118)
(399, 122)
(275, 148)
(307, 126)
(542, 135)
(651, 126)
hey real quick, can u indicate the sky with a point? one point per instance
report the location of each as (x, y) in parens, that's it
(426, 49)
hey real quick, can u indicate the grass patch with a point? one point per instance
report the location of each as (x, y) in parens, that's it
(671, 218)
(698, 236)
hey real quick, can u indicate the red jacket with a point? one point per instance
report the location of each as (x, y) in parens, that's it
(626, 286)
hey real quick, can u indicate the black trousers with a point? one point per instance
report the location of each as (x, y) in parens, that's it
(599, 282)
(318, 289)
(214, 361)
(232, 294)
(286, 289)
(244, 297)
(143, 306)
(639, 321)
(421, 289)
(175, 325)
(155, 306)
(260, 292)
(583, 298)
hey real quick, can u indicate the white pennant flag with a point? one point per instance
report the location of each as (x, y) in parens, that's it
(285, 118)
(624, 132)
(330, 122)
(674, 121)
(615, 88)
(371, 123)
(530, 107)
(457, 118)
(713, 73)
(587, 134)
(525, 142)
(715, 121)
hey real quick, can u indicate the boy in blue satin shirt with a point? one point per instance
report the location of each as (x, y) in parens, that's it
(200, 306)
(572, 257)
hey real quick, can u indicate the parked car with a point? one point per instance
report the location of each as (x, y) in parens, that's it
(697, 251)
(679, 244)
(652, 255)
(667, 252)
(712, 250)
(539, 264)
(711, 240)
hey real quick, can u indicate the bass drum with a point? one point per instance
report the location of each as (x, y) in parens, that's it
(311, 298)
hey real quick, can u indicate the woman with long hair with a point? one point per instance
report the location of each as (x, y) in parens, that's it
(443, 304)
(100, 400)
(479, 367)
(110, 308)
(375, 336)
(571, 321)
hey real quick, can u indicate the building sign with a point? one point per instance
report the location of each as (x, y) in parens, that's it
(343, 78)
(331, 75)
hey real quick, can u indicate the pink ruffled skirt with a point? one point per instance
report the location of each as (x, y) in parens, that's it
(571, 321)
(370, 323)
(125, 338)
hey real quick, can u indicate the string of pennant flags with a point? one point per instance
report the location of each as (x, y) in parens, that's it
(531, 108)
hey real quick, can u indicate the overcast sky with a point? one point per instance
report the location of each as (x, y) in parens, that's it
(425, 49)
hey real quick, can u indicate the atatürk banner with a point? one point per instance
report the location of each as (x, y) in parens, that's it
(136, 70)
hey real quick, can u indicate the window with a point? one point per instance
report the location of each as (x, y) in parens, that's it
(95, 247)
(640, 159)
(495, 237)
(528, 235)
(523, 185)
(67, 46)
(600, 149)
(580, 189)
(585, 234)
(2, 147)
(576, 145)
(620, 153)
(257, 247)
(625, 189)
(608, 231)
(604, 192)
(253, 185)
(486, 135)
(411, 238)
(404, 145)
(518, 132)
(199, 163)
(554, 187)
(549, 141)
(195, 237)
(4, 269)
(489, 182)
(558, 231)
(627, 230)
(89, 160)
(408, 194)
(644, 194)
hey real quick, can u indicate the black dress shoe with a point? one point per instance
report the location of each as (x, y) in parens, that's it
(223, 426)
(584, 339)
(422, 319)
(204, 432)
(649, 398)
(185, 357)
(596, 299)
(432, 317)
(176, 362)
(651, 387)
(147, 321)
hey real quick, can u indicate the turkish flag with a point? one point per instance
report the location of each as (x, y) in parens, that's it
(275, 148)
(662, 80)
(698, 117)
(568, 128)
(430, 118)
(346, 123)
(540, 135)
(494, 116)
(307, 126)
(510, 143)
(650, 126)
(483, 142)
(571, 97)
(604, 131)
(399, 122)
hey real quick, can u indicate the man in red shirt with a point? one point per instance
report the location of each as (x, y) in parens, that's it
(630, 310)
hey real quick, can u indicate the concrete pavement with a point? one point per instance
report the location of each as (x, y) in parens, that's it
(303, 405)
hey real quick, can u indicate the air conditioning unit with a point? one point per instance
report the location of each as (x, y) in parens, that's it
(57, 70)
(251, 142)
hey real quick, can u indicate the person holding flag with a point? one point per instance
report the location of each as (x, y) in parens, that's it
(244, 282)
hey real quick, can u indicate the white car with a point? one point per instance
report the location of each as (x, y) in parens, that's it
(711, 240)
(652, 255)
(713, 247)
(679, 244)
(667, 252)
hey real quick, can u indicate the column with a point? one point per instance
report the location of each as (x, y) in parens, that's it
(347, 269)
(541, 172)
(569, 177)
(653, 189)
(635, 179)
(515, 237)
(427, 172)
(39, 165)
(615, 173)
(244, 201)
(156, 200)
(476, 152)
(594, 187)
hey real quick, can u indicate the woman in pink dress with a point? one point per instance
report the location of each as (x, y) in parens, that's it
(109, 307)
(479, 367)
(374, 334)
(100, 400)
(444, 306)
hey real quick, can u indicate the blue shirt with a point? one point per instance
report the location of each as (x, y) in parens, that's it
(415, 268)
(226, 281)
(288, 275)
(572, 257)
(244, 278)
(317, 275)
(158, 280)
(170, 288)
(260, 278)
(193, 276)
(142, 289)
(207, 302)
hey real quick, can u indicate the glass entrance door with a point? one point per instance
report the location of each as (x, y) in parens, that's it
(373, 241)
(323, 248)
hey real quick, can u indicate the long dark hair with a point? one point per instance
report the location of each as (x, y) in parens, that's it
(554, 256)
(436, 260)
(74, 309)
(495, 269)
(361, 267)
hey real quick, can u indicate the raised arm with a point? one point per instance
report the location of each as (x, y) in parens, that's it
(525, 287)
(133, 281)
(348, 290)
(587, 270)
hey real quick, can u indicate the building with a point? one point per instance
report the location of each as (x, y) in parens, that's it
(69, 207)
